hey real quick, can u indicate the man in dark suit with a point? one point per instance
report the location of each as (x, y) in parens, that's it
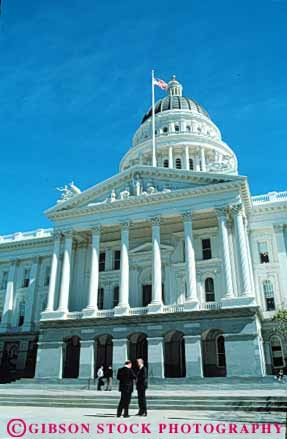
(126, 378)
(141, 384)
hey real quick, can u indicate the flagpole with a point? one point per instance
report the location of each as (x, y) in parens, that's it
(153, 121)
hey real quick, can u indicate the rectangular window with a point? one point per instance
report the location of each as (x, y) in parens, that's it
(101, 298)
(102, 261)
(146, 294)
(47, 276)
(21, 313)
(4, 280)
(26, 278)
(263, 252)
(206, 249)
(116, 296)
(117, 259)
(270, 304)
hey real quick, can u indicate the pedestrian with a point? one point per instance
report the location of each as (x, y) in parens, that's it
(280, 375)
(141, 385)
(100, 375)
(109, 378)
(126, 378)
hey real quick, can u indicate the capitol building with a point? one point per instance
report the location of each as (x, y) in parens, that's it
(175, 262)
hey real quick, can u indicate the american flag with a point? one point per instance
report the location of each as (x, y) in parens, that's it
(159, 82)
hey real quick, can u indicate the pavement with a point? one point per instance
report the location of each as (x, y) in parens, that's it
(97, 423)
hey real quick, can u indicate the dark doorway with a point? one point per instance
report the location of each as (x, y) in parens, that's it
(213, 353)
(103, 352)
(31, 359)
(71, 357)
(174, 355)
(9, 361)
(137, 348)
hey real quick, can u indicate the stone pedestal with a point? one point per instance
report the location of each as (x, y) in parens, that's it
(193, 356)
(87, 359)
(49, 360)
(155, 358)
(243, 355)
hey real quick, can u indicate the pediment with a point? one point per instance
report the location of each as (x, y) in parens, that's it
(142, 182)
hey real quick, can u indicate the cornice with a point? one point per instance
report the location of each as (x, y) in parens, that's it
(26, 243)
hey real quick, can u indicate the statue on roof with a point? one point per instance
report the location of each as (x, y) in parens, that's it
(67, 192)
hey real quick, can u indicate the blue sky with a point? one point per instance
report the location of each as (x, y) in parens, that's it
(75, 83)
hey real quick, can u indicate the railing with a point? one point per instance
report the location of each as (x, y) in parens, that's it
(75, 315)
(138, 311)
(210, 306)
(271, 197)
(19, 236)
(105, 313)
(173, 308)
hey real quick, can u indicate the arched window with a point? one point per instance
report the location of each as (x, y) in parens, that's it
(21, 313)
(269, 295)
(165, 130)
(220, 351)
(191, 164)
(188, 129)
(176, 128)
(165, 163)
(277, 352)
(178, 163)
(209, 290)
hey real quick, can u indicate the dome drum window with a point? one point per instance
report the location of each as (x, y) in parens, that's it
(178, 163)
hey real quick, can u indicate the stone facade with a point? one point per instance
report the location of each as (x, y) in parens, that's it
(176, 263)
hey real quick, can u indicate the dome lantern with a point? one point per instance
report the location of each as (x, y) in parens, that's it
(174, 88)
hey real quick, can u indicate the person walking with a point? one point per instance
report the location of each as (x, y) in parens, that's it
(109, 378)
(141, 385)
(126, 379)
(100, 375)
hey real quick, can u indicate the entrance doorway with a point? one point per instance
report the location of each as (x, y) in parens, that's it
(137, 348)
(71, 357)
(213, 353)
(174, 355)
(103, 352)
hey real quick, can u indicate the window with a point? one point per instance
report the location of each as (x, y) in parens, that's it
(178, 163)
(269, 295)
(117, 259)
(206, 249)
(146, 294)
(188, 128)
(166, 163)
(191, 164)
(116, 296)
(263, 252)
(4, 280)
(47, 276)
(176, 128)
(101, 298)
(26, 278)
(220, 351)
(21, 313)
(102, 261)
(276, 351)
(165, 130)
(209, 290)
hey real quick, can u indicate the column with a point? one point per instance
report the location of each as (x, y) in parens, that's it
(187, 157)
(197, 161)
(243, 255)
(170, 157)
(222, 220)
(49, 360)
(30, 304)
(282, 257)
(202, 158)
(155, 359)
(92, 306)
(123, 306)
(9, 297)
(87, 359)
(239, 347)
(54, 272)
(191, 300)
(193, 356)
(120, 353)
(156, 303)
(66, 274)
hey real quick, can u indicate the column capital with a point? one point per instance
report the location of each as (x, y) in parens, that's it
(125, 225)
(96, 229)
(222, 212)
(187, 216)
(278, 228)
(68, 234)
(155, 221)
(237, 209)
(57, 234)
